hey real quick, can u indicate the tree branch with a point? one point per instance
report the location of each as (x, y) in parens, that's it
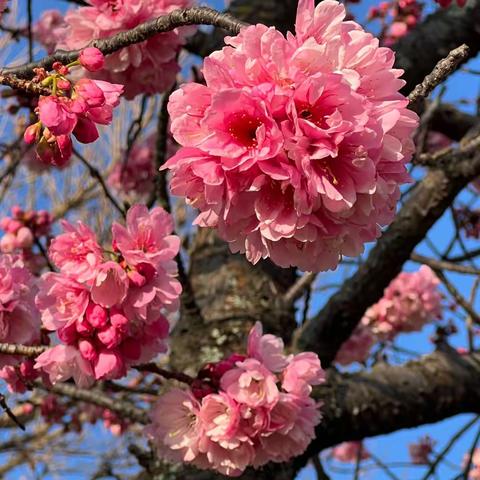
(166, 23)
(390, 398)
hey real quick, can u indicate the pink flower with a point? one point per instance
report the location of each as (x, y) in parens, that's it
(251, 383)
(110, 285)
(76, 252)
(267, 349)
(19, 318)
(103, 114)
(146, 238)
(92, 59)
(61, 300)
(408, 303)
(55, 113)
(303, 371)
(54, 150)
(176, 434)
(220, 417)
(292, 429)
(420, 451)
(148, 67)
(63, 362)
(349, 452)
(357, 347)
(44, 30)
(296, 147)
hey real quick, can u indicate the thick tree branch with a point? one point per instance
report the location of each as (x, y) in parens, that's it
(166, 23)
(390, 398)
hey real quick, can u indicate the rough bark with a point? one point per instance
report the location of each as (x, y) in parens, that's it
(232, 294)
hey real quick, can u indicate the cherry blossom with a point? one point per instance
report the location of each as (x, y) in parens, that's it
(295, 148)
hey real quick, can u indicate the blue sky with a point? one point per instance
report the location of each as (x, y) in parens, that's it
(462, 89)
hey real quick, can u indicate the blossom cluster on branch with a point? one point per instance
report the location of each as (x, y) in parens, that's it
(108, 306)
(296, 146)
(244, 410)
(410, 301)
(147, 67)
(72, 108)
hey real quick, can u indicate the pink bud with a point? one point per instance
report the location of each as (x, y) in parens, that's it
(24, 238)
(119, 321)
(110, 337)
(96, 315)
(64, 84)
(68, 334)
(92, 59)
(87, 350)
(31, 133)
(17, 211)
(14, 226)
(27, 370)
(8, 243)
(84, 327)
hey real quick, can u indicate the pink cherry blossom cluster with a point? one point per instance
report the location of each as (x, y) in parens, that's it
(107, 307)
(148, 67)
(421, 451)
(242, 411)
(72, 108)
(409, 302)
(22, 230)
(397, 18)
(350, 452)
(296, 147)
(19, 318)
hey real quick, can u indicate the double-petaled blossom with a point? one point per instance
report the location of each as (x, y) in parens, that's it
(410, 301)
(146, 67)
(107, 307)
(296, 146)
(242, 411)
(19, 319)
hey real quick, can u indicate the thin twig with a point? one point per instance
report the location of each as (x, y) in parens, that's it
(94, 173)
(169, 375)
(299, 287)
(457, 296)
(97, 398)
(441, 71)
(447, 448)
(444, 265)
(6, 408)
